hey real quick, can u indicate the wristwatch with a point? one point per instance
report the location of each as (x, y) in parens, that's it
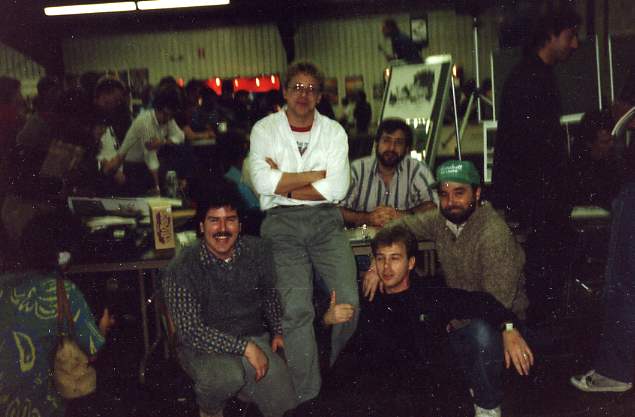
(507, 326)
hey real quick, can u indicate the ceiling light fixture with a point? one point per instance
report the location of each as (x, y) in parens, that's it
(125, 6)
(174, 4)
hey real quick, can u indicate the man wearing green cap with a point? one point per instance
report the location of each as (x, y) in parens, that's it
(477, 252)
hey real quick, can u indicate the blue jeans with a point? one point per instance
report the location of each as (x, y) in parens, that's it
(615, 357)
(479, 349)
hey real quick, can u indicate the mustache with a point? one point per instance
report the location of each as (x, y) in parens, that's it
(222, 234)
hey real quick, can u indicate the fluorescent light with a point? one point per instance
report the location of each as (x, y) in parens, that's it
(173, 4)
(125, 6)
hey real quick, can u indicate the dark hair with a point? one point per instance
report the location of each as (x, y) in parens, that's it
(194, 86)
(88, 82)
(47, 83)
(551, 23)
(49, 92)
(209, 98)
(168, 82)
(108, 84)
(76, 118)
(9, 88)
(592, 122)
(217, 193)
(227, 87)
(396, 234)
(233, 146)
(393, 124)
(46, 235)
(167, 98)
(391, 25)
(304, 68)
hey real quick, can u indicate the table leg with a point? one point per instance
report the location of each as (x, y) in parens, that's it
(144, 324)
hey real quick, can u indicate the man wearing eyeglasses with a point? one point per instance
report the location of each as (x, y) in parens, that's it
(299, 166)
(389, 184)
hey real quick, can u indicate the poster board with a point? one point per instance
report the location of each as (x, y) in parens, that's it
(418, 94)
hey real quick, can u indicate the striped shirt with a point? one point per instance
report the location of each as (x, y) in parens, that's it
(411, 186)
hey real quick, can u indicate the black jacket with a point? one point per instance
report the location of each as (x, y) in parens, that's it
(397, 329)
(531, 173)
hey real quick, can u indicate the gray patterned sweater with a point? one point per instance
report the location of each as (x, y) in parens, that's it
(216, 305)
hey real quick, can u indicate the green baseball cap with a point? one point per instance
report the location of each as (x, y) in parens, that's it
(463, 172)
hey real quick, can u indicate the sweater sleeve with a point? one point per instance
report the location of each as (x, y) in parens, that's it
(273, 311)
(501, 262)
(185, 311)
(421, 224)
(453, 303)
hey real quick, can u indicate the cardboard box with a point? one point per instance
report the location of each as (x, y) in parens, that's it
(162, 225)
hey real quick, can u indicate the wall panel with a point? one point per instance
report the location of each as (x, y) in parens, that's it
(15, 64)
(228, 51)
(344, 47)
(340, 46)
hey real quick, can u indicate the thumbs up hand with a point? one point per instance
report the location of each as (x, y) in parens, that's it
(338, 313)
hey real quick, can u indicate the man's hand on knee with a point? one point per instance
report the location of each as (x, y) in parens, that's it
(517, 352)
(257, 359)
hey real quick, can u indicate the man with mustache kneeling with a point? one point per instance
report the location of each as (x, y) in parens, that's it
(217, 293)
(389, 184)
(477, 252)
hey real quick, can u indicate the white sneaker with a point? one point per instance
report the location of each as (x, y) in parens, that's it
(595, 382)
(486, 412)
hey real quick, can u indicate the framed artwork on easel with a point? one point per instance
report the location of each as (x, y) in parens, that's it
(418, 93)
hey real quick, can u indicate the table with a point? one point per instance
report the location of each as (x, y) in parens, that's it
(150, 261)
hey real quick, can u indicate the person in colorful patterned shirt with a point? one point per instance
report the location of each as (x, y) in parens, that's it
(217, 293)
(28, 319)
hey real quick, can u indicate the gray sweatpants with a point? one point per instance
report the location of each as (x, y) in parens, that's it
(219, 376)
(304, 238)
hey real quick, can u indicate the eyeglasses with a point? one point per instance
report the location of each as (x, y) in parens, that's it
(308, 89)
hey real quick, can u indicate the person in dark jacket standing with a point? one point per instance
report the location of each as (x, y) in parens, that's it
(531, 164)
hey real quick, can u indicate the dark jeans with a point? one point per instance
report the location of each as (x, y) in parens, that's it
(615, 357)
(548, 252)
(479, 350)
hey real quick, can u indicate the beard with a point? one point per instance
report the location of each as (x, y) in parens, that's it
(459, 215)
(389, 158)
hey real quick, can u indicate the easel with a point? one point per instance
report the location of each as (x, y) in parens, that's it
(475, 96)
